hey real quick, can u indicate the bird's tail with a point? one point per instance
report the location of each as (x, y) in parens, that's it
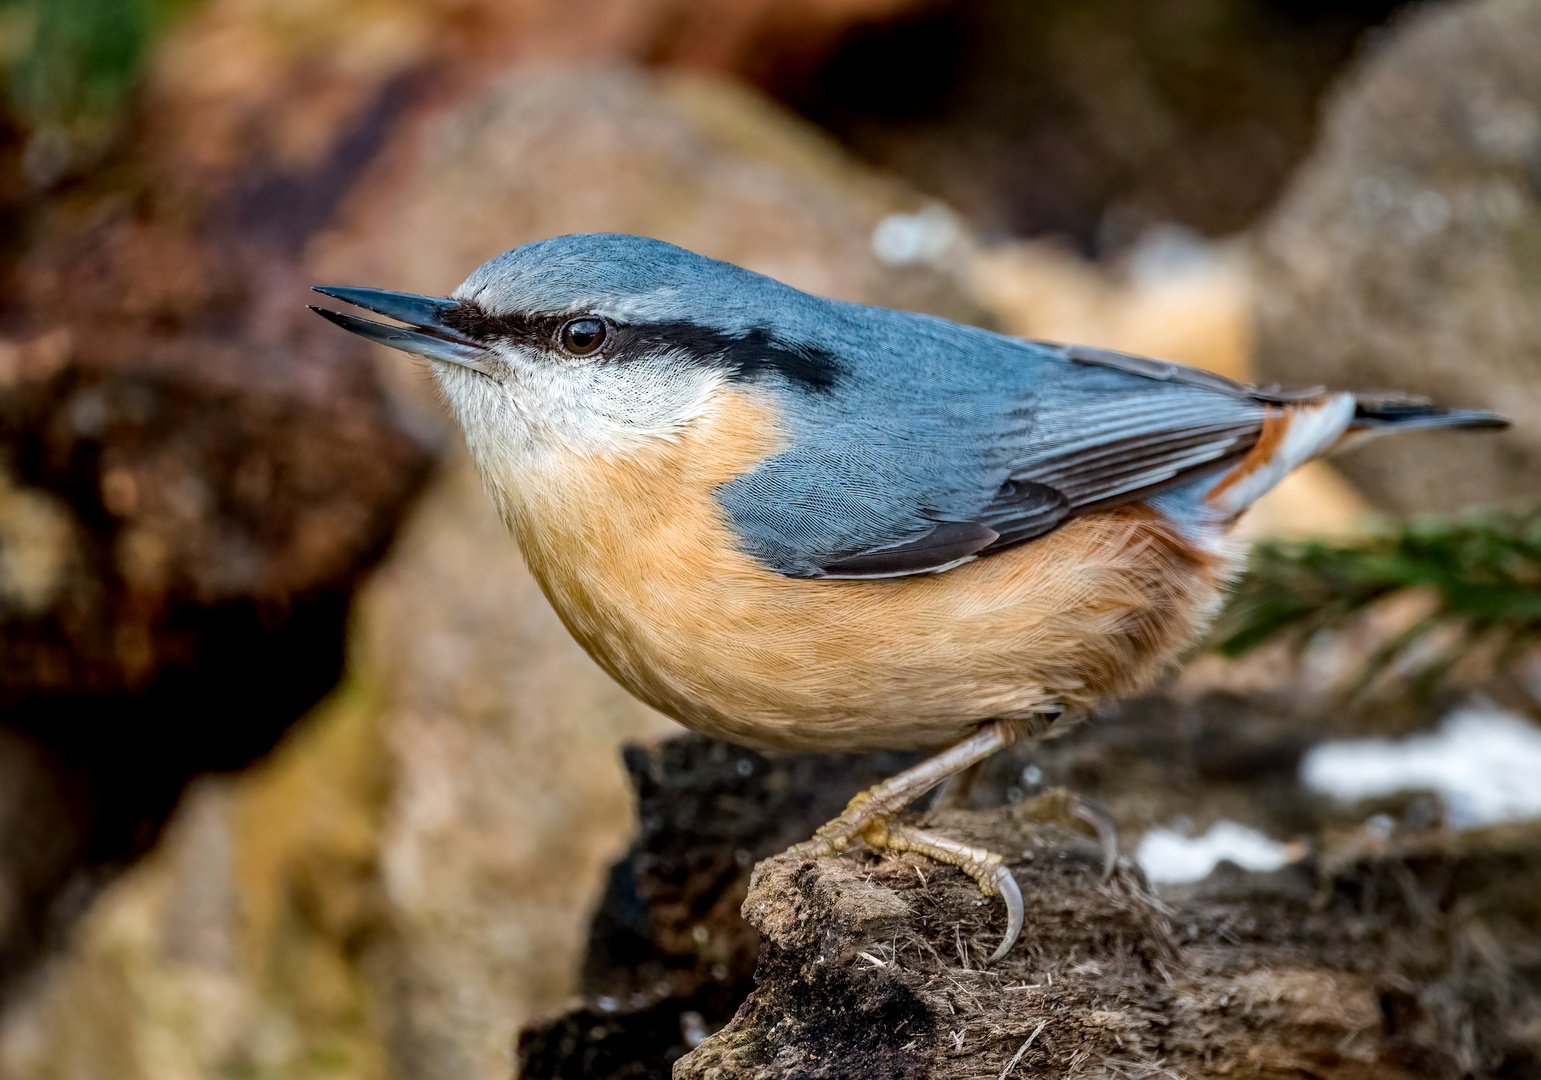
(1379, 413)
(1308, 428)
(1382, 414)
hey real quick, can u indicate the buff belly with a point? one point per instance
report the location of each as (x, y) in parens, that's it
(644, 569)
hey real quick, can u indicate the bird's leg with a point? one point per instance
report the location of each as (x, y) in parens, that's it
(869, 817)
(955, 790)
(883, 801)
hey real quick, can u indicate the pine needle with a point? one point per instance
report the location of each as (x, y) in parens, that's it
(1483, 571)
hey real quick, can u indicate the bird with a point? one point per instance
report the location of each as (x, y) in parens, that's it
(799, 523)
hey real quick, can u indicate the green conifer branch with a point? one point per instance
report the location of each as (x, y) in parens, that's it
(1482, 569)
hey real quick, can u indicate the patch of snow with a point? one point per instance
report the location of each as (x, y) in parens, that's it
(1169, 857)
(1483, 762)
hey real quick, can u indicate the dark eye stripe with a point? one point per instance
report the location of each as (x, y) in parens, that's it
(746, 354)
(477, 324)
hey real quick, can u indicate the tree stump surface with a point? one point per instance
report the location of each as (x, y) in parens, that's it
(1382, 963)
(1413, 954)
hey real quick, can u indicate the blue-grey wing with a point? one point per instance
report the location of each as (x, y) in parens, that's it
(977, 467)
(1115, 428)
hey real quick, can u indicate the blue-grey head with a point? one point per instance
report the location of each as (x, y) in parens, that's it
(597, 343)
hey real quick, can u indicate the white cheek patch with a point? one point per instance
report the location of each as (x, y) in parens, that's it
(545, 409)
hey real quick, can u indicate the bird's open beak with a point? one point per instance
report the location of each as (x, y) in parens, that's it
(425, 333)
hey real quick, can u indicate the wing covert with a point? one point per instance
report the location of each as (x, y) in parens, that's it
(916, 489)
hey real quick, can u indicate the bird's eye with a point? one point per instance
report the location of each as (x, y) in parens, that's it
(584, 335)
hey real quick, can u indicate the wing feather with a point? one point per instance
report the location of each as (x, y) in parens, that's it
(944, 479)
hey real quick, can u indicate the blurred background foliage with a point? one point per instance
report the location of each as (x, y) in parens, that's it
(1477, 575)
(71, 67)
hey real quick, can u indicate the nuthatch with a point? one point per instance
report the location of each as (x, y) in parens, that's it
(797, 523)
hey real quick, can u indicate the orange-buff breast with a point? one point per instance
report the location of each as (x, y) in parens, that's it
(642, 565)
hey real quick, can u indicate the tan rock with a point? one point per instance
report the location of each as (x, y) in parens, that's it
(1407, 252)
(508, 802)
(235, 947)
(1197, 313)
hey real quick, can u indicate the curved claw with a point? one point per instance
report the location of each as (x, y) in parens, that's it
(1014, 913)
(1096, 815)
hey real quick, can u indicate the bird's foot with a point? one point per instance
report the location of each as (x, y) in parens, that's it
(986, 868)
(1078, 813)
(870, 817)
(881, 833)
(869, 809)
(882, 801)
(866, 821)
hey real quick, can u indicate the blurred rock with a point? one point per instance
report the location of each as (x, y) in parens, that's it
(235, 947)
(189, 493)
(409, 875)
(45, 819)
(1090, 120)
(1174, 295)
(136, 504)
(268, 87)
(506, 801)
(1407, 251)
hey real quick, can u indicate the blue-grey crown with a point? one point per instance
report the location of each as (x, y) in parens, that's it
(659, 299)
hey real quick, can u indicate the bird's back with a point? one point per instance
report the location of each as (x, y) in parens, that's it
(927, 442)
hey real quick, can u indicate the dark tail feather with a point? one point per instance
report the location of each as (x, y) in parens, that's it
(1382, 411)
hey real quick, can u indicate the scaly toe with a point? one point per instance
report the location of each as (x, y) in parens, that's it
(819, 848)
(985, 867)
